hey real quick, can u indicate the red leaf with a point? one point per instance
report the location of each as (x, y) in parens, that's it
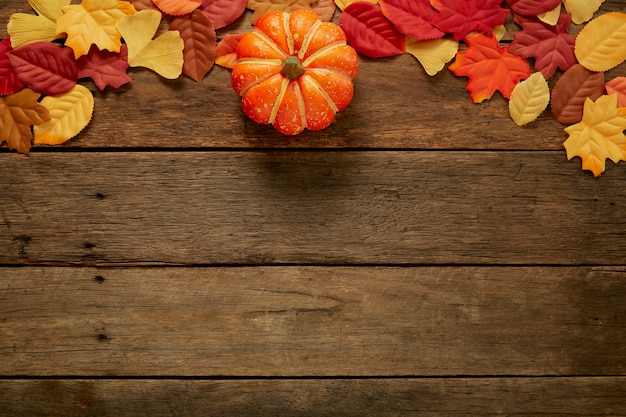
(412, 17)
(223, 12)
(489, 67)
(618, 86)
(463, 17)
(551, 46)
(226, 51)
(370, 32)
(45, 67)
(197, 32)
(533, 7)
(104, 67)
(571, 91)
(9, 83)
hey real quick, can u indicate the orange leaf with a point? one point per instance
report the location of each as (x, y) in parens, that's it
(489, 67)
(18, 112)
(618, 86)
(177, 7)
(226, 52)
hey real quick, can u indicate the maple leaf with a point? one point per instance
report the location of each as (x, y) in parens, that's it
(25, 28)
(18, 112)
(262, 6)
(601, 44)
(600, 134)
(533, 7)
(93, 22)
(551, 46)
(618, 86)
(582, 10)
(571, 91)
(226, 51)
(177, 7)
(9, 83)
(105, 68)
(412, 17)
(223, 12)
(529, 99)
(463, 17)
(163, 55)
(199, 37)
(489, 67)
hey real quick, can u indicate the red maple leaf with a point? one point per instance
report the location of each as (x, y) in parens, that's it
(533, 7)
(104, 67)
(463, 17)
(551, 46)
(489, 67)
(412, 17)
(9, 83)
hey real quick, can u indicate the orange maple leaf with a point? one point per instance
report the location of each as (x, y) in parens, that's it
(18, 112)
(490, 67)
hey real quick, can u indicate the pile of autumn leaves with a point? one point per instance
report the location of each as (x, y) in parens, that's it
(47, 53)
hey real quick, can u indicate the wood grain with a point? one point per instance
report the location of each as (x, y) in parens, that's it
(309, 207)
(309, 398)
(312, 321)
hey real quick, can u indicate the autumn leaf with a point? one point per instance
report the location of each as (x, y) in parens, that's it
(342, 4)
(9, 83)
(199, 38)
(490, 67)
(463, 17)
(433, 54)
(582, 10)
(177, 7)
(600, 134)
(163, 55)
(325, 9)
(618, 86)
(223, 12)
(262, 6)
(571, 91)
(105, 68)
(533, 7)
(25, 28)
(412, 18)
(529, 99)
(551, 17)
(551, 46)
(93, 22)
(601, 44)
(18, 112)
(226, 51)
(143, 5)
(370, 32)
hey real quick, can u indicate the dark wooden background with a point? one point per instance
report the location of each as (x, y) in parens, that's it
(421, 256)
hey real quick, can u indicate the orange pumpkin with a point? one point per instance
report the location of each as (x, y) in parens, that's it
(294, 71)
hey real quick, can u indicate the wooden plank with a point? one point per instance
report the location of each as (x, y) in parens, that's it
(378, 397)
(312, 321)
(396, 105)
(309, 207)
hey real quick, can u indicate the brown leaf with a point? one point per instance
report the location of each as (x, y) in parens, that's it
(18, 112)
(325, 9)
(198, 33)
(262, 6)
(570, 92)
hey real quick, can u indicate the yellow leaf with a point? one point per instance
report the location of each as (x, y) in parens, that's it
(529, 99)
(551, 17)
(601, 44)
(582, 10)
(342, 4)
(163, 55)
(432, 54)
(26, 28)
(499, 32)
(599, 135)
(93, 23)
(70, 113)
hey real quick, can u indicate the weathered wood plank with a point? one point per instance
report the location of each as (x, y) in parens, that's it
(396, 105)
(375, 397)
(312, 321)
(309, 207)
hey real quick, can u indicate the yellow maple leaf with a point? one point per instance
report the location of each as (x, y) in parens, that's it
(18, 112)
(529, 99)
(70, 113)
(582, 10)
(93, 23)
(26, 28)
(432, 54)
(163, 55)
(601, 44)
(599, 135)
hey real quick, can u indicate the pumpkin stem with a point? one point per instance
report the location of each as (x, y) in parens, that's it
(292, 67)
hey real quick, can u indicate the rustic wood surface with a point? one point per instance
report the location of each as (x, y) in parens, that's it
(422, 256)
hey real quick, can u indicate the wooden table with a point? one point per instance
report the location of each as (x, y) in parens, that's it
(421, 256)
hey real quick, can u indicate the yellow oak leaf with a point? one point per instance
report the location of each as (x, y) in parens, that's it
(18, 112)
(599, 135)
(93, 23)
(601, 44)
(551, 17)
(27, 28)
(70, 113)
(582, 10)
(432, 54)
(342, 4)
(163, 55)
(529, 99)
(262, 6)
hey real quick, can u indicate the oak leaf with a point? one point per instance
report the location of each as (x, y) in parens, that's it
(198, 35)
(262, 6)
(70, 113)
(163, 55)
(105, 68)
(551, 46)
(533, 7)
(93, 22)
(601, 44)
(9, 83)
(582, 10)
(433, 54)
(223, 12)
(463, 17)
(226, 51)
(529, 99)
(25, 28)
(18, 112)
(571, 91)
(600, 134)
(490, 67)
(617, 86)
(177, 7)
(412, 18)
